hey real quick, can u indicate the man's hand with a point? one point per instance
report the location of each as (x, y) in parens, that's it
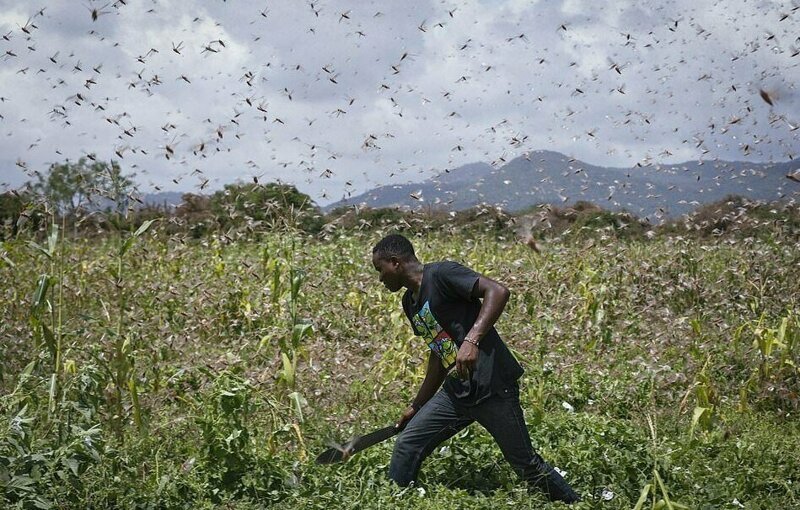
(347, 452)
(466, 359)
(407, 415)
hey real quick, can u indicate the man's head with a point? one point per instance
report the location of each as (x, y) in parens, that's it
(390, 257)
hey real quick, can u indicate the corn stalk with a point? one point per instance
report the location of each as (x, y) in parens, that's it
(46, 318)
(124, 376)
(656, 486)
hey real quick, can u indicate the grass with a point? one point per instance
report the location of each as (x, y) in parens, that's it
(240, 359)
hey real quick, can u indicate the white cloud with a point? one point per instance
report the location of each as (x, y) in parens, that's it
(293, 94)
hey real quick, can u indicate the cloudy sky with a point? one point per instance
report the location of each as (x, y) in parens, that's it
(338, 97)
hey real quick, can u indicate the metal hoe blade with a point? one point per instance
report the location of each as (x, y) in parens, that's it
(337, 452)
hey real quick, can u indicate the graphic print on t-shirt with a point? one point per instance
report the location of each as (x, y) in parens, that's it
(436, 337)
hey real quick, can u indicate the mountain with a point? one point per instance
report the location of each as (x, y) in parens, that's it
(170, 199)
(653, 191)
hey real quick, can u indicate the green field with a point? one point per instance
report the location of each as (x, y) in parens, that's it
(176, 373)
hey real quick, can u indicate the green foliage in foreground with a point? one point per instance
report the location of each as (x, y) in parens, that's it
(146, 372)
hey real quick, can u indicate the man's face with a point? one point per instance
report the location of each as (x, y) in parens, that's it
(389, 272)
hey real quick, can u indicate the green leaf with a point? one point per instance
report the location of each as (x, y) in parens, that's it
(137, 410)
(129, 241)
(52, 240)
(143, 228)
(782, 332)
(299, 332)
(126, 246)
(40, 296)
(28, 370)
(7, 260)
(288, 369)
(663, 490)
(162, 482)
(297, 401)
(73, 465)
(21, 482)
(53, 390)
(233, 436)
(42, 503)
(697, 416)
(297, 280)
(49, 339)
(126, 345)
(643, 497)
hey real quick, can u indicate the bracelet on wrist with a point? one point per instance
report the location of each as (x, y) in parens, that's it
(469, 340)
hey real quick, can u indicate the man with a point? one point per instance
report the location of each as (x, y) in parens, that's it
(443, 303)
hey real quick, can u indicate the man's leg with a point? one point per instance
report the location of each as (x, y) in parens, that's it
(502, 416)
(437, 421)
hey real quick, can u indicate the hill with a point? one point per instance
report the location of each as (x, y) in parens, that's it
(652, 192)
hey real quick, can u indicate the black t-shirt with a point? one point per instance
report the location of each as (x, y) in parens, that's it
(443, 314)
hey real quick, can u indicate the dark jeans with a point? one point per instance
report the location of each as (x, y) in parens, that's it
(442, 417)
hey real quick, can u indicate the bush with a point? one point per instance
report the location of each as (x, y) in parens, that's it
(263, 207)
(736, 215)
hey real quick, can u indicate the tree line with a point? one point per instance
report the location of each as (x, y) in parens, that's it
(90, 197)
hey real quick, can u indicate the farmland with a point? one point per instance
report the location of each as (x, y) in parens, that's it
(156, 371)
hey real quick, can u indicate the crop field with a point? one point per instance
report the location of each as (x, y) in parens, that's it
(148, 371)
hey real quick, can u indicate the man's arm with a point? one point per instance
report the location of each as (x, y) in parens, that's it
(494, 296)
(434, 376)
